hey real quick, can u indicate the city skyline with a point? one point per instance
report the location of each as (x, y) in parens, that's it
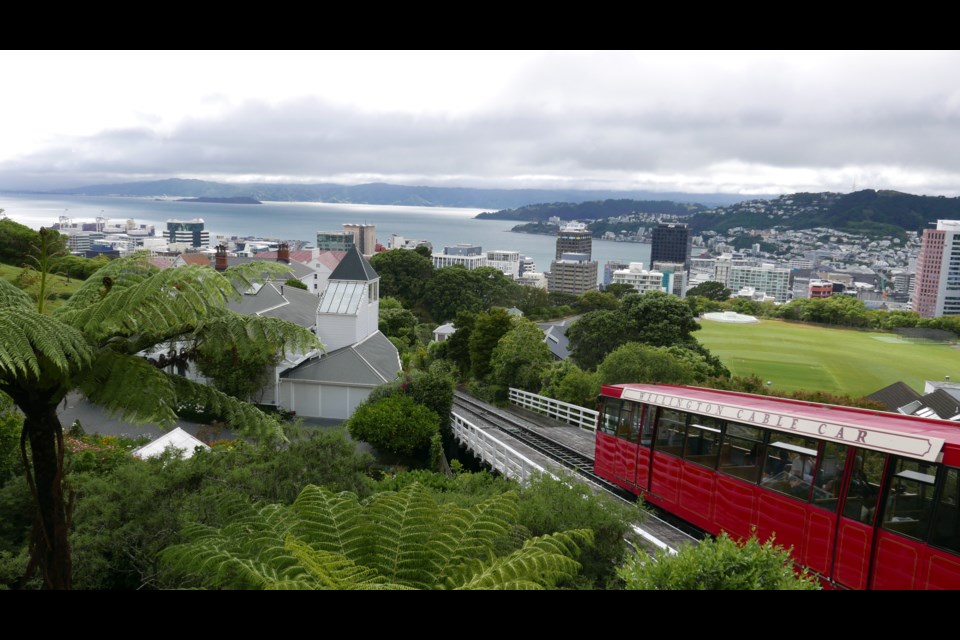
(698, 122)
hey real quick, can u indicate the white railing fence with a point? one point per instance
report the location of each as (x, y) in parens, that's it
(561, 411)
(498, 455)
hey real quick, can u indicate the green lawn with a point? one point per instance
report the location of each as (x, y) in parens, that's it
(797, 356)
(56, 285)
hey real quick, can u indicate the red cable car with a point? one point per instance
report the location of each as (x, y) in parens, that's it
(867, 499)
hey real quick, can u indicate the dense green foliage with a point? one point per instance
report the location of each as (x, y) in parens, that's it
(637, 362)
(720, 564)
(92, 343)
(654, 318)
(592, 210)
(488, 328)
(711, 289)
(20, 245)
(404, 275)
(397, 540)
(550, 504)
(520, 357)
(396, 424)
(567, 382)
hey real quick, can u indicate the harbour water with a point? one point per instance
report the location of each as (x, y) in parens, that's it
(441, 226)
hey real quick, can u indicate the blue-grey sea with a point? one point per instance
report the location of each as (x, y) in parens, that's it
(301, 220)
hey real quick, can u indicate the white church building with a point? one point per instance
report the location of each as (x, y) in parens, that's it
(358, 356)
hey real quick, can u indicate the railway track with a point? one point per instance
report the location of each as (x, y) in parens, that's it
(660, 530)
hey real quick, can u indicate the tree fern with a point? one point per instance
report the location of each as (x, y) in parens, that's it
(11, 296)
(91, 343)
(541, 563)
(402, 539)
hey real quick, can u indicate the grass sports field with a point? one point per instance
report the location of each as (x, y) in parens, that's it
(797, 356)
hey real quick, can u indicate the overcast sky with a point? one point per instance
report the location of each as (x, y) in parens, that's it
(749, 122)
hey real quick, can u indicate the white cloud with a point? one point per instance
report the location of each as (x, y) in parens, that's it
(712, 121)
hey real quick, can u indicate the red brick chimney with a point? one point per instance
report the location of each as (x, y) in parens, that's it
(221, 258)
(283, 253)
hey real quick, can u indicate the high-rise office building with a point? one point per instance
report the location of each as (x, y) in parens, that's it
(335, 240)
(188, 231)
(364, 237)
(574, 237)
(936, 290)
(572, 271)
(671, 242)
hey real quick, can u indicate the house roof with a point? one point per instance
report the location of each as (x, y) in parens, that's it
(200, 259)
(300, 270)
(895, 396)
(354, 267)
(303, 256)
(330, 259)
(161, 262)
(944, 404)
(177, 439)
(445, 329)
(293, 305)
(370, 362)
(556, 338)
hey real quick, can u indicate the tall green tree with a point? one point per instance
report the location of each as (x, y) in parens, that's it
(658, 319)
(92, 343)
(20, 245)
(404, 274)
(711, 289)
(520, 357)
(595, 335)
(487, 330)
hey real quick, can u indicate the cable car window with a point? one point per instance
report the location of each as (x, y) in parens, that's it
(946, 523)
(671, 428)
(863, 491)
(826, 491)
(703, 440)
(909, 499)
(742, 451)
(790, 464)
(646, 430)
(610, 417)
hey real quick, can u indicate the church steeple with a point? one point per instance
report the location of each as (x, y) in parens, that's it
(349, 309)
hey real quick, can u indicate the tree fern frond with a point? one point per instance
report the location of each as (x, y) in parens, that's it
(244, 333)
(242, 276)
(330, 521)
(402, 525)
(241, 416)
(11, 296)
(156, 305)
(34, 344)
(541, 563)
(117, 382)
(334, 570)
(121, 273)
(471, 533)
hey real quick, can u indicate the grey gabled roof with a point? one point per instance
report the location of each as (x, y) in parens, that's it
(371, 362)
(944, 404)
(293, 305)
(556, 339)
(300, 270)
(354, 267)
(895, 396)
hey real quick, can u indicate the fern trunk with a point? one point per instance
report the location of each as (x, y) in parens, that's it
(49, 547)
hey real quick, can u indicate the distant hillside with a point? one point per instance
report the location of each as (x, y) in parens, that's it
(380, 193)
(234, 200)
(870, 212)
(593, 210)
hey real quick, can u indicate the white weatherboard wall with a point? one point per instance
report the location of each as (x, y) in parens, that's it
(314, 400)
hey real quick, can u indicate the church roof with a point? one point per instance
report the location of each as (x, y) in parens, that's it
(370, 362)
(354, 266)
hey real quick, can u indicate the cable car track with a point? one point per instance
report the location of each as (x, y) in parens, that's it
(661, 529)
